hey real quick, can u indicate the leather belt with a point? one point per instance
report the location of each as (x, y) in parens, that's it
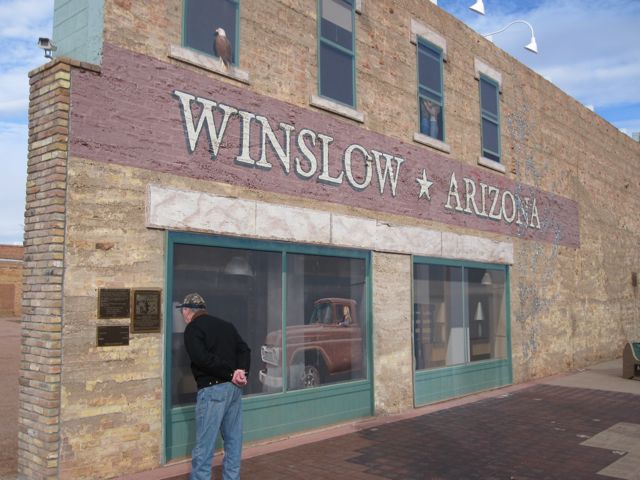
(210, 383)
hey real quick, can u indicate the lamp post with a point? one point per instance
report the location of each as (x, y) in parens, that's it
(477, 7)
(532, 46)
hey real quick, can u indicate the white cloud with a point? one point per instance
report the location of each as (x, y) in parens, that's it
(22, 18)
(588, 48)
(21, 23)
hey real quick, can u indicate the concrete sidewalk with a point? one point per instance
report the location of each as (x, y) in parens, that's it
(582, 425)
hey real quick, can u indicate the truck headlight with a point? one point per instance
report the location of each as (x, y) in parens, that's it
(270, 355)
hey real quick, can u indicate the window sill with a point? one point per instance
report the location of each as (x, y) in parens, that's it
(431, 142)
(206, 62)
(334, 107)
(493, 165)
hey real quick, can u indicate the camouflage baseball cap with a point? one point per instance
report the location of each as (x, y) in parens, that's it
(193, 300)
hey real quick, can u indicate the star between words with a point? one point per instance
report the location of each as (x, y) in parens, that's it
(482, 200)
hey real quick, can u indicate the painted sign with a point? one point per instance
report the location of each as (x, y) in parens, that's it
(145, 113)
(309, 155)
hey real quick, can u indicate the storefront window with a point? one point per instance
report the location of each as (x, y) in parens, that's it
(243, 287)
(324, 339)
(459, 315)
(325, 320)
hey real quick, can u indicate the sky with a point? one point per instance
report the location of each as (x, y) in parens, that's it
(589, 49)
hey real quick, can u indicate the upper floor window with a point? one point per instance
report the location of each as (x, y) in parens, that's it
(206, 25)
(430, 90)
(490, 118)
(337, 51)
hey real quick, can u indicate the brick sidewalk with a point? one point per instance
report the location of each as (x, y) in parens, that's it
(534, 433)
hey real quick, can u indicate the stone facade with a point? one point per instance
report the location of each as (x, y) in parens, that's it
(11, 280)
(94, 217)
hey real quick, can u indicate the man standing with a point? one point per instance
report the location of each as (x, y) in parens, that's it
(220, 361)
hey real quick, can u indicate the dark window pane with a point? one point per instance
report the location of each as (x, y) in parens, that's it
(459, 315)
(439, 333)
(490, 137)
(338, 35)
(243, 287)
(326, 334)
(429, 69)
(486, 313)
(337, 22)
(336, 75)
(488, 97)
(203, 17)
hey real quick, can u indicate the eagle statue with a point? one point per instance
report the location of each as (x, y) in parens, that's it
(223, 47)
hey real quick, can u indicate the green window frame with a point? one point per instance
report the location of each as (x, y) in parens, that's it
(457, 364)
(490, 118)
(430, 89)
(200, 18)
(336, 51)
(269, 414)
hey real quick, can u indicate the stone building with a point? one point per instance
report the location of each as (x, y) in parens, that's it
(11, 280)
(419, 213)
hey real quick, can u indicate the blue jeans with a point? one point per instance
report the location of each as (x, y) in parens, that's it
(218, 408)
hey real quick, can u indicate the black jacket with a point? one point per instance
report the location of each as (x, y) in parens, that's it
(215, 348)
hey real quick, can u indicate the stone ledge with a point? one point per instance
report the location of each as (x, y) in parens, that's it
(65, 61)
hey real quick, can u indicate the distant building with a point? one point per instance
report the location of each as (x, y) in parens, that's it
(11, 263)
(636, 136)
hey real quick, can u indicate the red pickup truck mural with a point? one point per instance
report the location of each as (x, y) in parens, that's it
(326, 348)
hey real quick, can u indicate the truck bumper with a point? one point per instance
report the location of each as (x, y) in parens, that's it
(271, 382)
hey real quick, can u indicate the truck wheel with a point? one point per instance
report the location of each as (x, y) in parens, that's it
(311, 376)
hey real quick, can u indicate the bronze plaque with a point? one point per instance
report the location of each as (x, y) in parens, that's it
(114, 303)
(113, 335)
(146, 311)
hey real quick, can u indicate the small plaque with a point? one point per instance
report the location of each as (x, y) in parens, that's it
(146, 311)
(113, 335)
(114, 303)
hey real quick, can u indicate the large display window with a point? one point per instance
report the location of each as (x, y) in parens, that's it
(461, 328)
(302, 310)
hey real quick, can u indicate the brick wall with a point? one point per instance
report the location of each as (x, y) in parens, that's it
(40, 368)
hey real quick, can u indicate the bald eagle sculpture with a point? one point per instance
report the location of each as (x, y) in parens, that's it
(223, 47)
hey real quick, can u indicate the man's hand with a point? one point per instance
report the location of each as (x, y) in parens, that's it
(239, 378)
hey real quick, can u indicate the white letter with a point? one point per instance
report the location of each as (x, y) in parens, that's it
(245, 130)
(388, 169)
(267, 131)
(470, 190)
(367, 167)
(534, 214)
(522, 211)
(453, 191)
(492, 213)
(307, 153)
(504, 207)
(324, 176)
(193, 132)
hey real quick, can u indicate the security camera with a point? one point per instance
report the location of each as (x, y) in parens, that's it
(47, 45)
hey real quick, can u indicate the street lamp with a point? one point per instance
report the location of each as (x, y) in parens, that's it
(532, 46)
(477, 7)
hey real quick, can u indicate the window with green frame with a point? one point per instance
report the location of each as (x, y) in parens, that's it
(460, 314)
(336, 50)
(321, 304)
(202, 18)
(490, 118)
(430, 89)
